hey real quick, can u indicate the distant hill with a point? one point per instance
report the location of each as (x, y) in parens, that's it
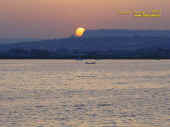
(129, 44)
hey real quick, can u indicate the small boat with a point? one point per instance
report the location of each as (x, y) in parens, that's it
(90, 62)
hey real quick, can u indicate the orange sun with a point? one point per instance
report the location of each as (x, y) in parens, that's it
(79, 32)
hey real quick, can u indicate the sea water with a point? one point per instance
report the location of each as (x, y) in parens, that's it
(70, 93)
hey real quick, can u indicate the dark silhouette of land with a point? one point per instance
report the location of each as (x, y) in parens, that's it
(132, 46)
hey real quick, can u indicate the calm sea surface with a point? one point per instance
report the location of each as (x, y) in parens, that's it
(70, 93)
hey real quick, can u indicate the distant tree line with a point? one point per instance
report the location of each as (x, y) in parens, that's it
(20, 53)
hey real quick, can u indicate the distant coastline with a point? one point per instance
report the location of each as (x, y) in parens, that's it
(95, 44)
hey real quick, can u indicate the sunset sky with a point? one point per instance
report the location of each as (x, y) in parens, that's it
(59, 18)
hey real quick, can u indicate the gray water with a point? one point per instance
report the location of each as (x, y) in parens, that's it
(69, 93)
